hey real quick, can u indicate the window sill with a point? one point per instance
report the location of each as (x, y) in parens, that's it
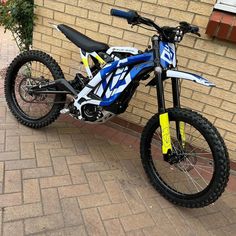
(225, 7)
(222, 25)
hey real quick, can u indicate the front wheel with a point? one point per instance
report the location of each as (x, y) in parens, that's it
(200, 170)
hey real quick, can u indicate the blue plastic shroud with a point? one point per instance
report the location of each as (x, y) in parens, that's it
(137, 62)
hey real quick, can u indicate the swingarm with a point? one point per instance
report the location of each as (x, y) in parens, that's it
(60, 86)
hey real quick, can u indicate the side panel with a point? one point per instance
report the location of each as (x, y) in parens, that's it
(111, 81)
(100, 83)
(117, 76)
(115, 89)
(189, 76)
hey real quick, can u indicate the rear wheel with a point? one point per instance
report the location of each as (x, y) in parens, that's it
(29, 69)
(199, 174)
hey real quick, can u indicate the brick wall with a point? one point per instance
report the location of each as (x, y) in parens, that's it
(214, 59)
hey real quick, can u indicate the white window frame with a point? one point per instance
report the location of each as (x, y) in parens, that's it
(226, 5)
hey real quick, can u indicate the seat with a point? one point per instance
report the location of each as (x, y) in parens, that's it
(81, 40)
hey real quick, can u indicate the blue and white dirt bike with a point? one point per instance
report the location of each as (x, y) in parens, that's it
(183, 154)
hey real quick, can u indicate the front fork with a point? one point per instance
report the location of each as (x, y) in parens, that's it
(163, 114)
(180, 126)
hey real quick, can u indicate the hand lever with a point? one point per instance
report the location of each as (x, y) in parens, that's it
(187, 28)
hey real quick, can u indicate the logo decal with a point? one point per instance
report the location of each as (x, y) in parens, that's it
(168, 54)
(168, 57)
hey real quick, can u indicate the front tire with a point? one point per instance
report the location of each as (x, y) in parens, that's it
(19, 73)
(173, 181)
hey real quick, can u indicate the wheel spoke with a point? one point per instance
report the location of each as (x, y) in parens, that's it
(195, 183)
(198, 172)
(202, 169)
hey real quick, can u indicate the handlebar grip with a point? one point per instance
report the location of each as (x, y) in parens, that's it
(128, 15)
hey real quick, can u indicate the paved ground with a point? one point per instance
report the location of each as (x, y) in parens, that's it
(74, 179)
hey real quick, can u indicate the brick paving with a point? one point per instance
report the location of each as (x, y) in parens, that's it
(77, 179)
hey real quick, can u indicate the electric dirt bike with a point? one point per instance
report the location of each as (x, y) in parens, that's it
(183, 154)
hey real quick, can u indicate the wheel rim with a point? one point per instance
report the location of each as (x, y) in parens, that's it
(194, 171)
(31, 106)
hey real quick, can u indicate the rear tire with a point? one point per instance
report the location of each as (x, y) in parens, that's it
(220, 175)
(10, 93)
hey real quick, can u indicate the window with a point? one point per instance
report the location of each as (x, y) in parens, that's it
(226, 5)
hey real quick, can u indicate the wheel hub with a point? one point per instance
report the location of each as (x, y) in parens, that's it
(24, 90)
(181, 157)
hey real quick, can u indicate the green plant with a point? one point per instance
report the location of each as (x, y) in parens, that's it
(18, 17)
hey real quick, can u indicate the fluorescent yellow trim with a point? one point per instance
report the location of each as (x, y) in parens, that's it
(85, 62)
(165, 131)
(100, 60)
(182, 132)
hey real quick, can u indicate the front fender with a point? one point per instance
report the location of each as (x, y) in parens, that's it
(189, 76)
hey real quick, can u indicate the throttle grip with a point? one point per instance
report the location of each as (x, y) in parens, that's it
(130, 16)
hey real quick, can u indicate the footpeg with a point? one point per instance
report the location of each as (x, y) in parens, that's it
(65, 111)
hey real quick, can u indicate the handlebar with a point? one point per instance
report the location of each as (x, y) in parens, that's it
(170, 34)
(134, 18)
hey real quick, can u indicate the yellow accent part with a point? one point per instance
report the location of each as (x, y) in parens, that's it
(182, 132)
(85, 62)
(165, 131)
(100, 60)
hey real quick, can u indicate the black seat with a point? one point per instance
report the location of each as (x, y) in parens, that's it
(81, 40)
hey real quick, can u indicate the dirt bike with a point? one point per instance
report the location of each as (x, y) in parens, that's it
(183, 154)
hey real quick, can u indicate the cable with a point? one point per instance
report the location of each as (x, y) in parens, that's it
(147, 28)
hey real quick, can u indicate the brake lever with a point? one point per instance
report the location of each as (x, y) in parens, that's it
(198, 34)
(137, 21)
(188, 28)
